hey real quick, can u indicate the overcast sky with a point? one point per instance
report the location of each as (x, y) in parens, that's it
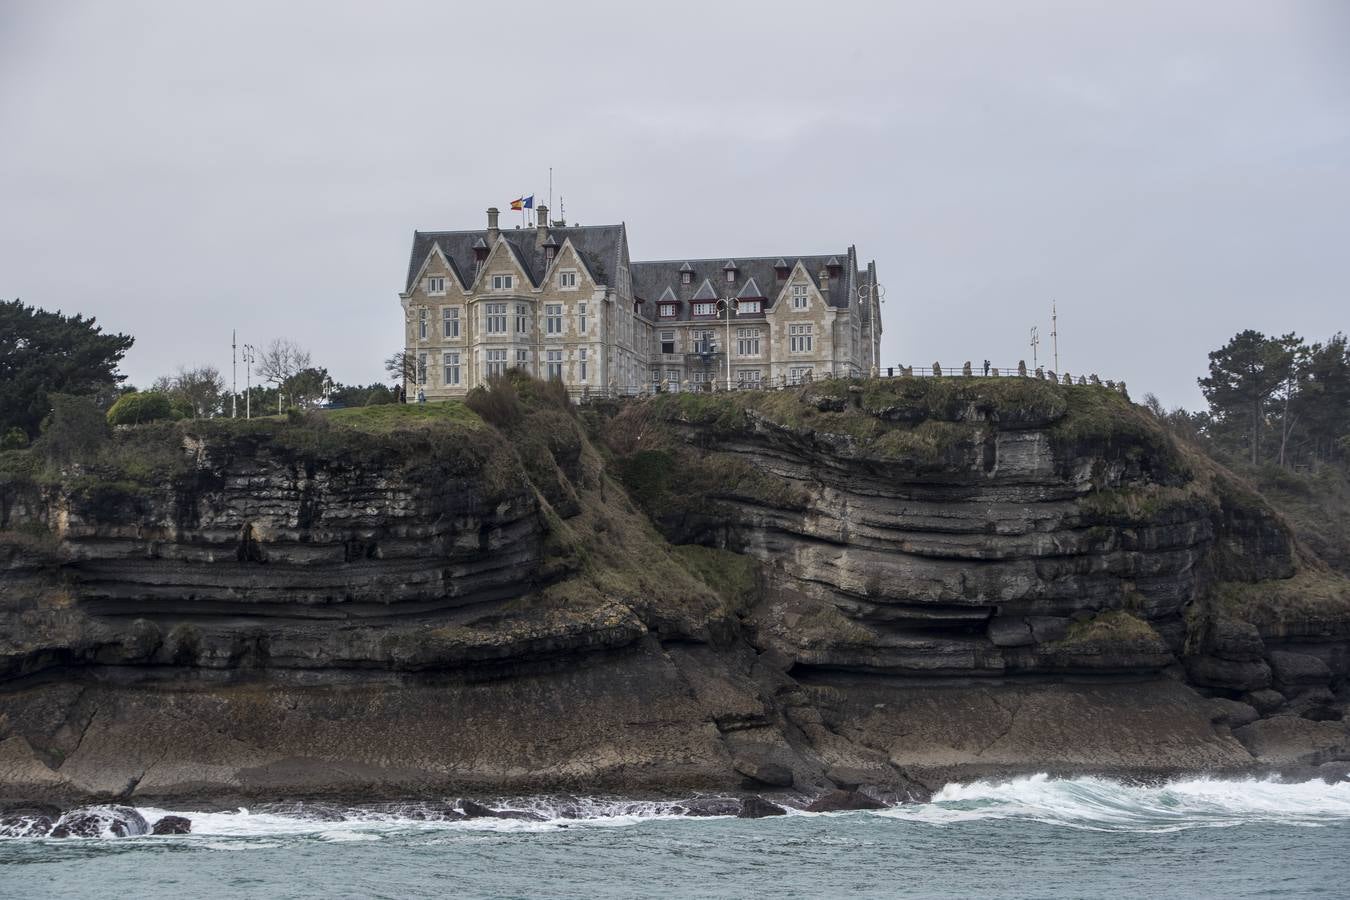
(1169, 173)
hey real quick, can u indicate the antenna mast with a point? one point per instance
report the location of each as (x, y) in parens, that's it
(1054, 332)
(1035, 342)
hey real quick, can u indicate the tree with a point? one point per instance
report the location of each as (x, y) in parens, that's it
(75, 430)
(44, 353)
(1243, 375)
(402, 367)
(361, 395)
(308, 386)
(201, 391)
(1325, 397)
(280, 361)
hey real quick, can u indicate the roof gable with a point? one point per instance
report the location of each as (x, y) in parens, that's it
(751, 291)
(705, 292)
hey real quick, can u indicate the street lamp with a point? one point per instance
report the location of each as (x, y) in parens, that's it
(250, 355)
(728, 305)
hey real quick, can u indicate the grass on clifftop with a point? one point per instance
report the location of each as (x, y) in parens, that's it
(387, 417)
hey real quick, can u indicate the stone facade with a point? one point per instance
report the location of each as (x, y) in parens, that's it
(566, 302)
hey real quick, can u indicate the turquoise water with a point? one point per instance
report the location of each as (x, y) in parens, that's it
(1026, 838)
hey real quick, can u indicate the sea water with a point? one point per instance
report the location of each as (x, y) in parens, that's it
(1027, 837)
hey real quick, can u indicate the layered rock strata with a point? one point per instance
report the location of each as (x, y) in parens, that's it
(870, 586)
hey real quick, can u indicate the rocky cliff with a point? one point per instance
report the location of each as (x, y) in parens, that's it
(881, 583)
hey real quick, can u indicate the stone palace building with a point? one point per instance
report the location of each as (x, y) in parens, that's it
(566, 302)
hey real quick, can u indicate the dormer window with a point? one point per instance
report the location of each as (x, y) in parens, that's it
(686, 278)
(503, 282)
(730, 269)
(731, 275)
(781, 269)
(705, 309)
(667, 310)
(436, 284)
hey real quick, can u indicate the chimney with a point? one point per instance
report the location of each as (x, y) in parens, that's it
(492, 230)
(541, 229)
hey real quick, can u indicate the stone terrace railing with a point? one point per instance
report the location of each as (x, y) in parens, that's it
(936, 370)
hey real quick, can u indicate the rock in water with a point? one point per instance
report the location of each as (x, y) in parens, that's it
(172, 825)
(711, 806)
(474, 810)
(839, 801)
(101, 821)
(25, 823)
(759, 808)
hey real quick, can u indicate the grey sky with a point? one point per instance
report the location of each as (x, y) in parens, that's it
(1169, 172)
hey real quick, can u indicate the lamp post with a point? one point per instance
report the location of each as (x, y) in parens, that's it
(250, 354)
(728, 305)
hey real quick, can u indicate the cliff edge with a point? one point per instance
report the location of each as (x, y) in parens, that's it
(878, 583)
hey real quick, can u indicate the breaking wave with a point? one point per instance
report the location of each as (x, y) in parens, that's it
(1094, 804)
(1101, 804)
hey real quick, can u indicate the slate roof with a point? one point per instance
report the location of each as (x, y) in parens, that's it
(651, 279)
(600, 247)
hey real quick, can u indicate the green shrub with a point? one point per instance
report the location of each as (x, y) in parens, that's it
(14, 439)
(75, 429)
(137, 408)
(497, 402)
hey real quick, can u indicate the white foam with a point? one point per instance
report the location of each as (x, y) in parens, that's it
(1085, 803)
(1106, 805)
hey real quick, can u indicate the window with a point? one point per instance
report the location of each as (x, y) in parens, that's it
(451, 361)
(702, 377)
(704, 341)
(799, 298)
(748, 378)
(667, 342)
(798, 374)
(522, 359)
(450, 321)
(656, 378)
(421, 368)
(747, 342)
(503, 282)
(522, 318)
(581, 359)
(686, 278)
(799, 339)
(673, 376)
(749, 307)
(731, 275)
(567, 280)
(496, 362)
(667, 310)
(705, 309)
(553, 364)
(496, 318)
(581, 318)
(436, 284)
(422, 323)
(553, 318)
